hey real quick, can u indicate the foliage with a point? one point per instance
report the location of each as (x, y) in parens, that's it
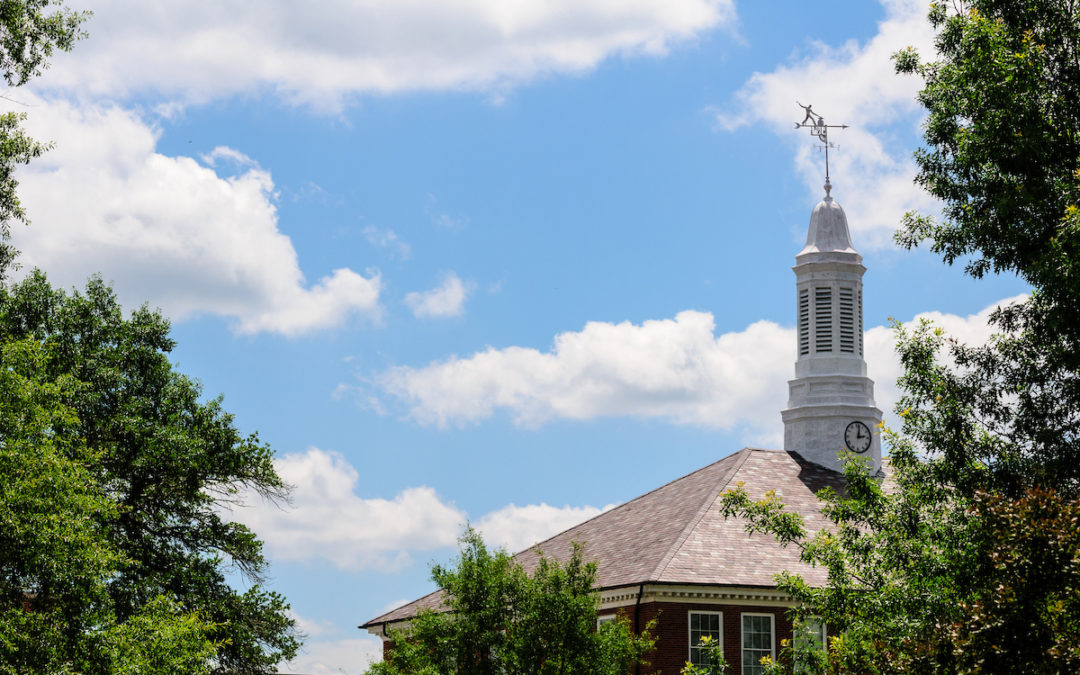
(55, 558)
(33, 29)
(503, 620)
(714, 656)
(968, 562)
(162, 464)
(113, 552)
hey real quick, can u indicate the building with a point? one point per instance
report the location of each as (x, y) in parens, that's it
(670, 555)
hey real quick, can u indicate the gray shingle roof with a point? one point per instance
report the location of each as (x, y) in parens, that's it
(676, 534)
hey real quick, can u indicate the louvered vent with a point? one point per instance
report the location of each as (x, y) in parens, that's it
(847, 320)
(804, 321)
(823, 321)
(860, 336)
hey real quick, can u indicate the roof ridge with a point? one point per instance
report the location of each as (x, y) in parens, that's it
(625, 504)
(709, 501)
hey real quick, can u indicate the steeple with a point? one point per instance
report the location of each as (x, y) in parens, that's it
(831, 407)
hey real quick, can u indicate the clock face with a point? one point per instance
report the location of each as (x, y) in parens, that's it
(857, 437)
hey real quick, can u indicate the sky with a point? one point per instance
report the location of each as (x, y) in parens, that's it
(505, 262)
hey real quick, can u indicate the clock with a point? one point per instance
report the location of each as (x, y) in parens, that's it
(857, 437)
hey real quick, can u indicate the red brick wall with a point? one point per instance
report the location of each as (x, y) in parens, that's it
(673, 633)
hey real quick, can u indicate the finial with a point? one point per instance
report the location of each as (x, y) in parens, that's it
(816, 124)
(828, 189)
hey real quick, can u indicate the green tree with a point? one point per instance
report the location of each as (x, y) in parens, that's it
(165, 460)
(969, 562)
(500, 619)
(126, 474)
(55, 559)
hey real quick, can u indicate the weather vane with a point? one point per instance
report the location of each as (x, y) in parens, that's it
(816, 124)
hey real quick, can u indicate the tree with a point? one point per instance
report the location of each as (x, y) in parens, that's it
(500, 619)
(117, 556)
(968, 562)
(164, 460)
(55, 558)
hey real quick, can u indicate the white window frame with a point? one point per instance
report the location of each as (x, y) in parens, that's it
(601, 620)
(690, 632)
(742, 637)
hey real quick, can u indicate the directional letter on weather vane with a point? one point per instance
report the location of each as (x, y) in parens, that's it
(816, 124)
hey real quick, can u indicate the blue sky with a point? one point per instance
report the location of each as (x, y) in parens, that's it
(505, 262)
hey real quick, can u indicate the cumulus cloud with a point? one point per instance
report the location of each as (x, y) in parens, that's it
(198, 51)
(335, 657)
(884, 368)
(443, 301)
(671, 369)
(329, 521)
(853, 83)
(516, 528)
(170, 230)
(312, 627)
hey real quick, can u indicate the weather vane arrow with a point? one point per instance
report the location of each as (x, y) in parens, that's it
(815, 123)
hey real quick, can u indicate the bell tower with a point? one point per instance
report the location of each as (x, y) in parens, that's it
(830, 407)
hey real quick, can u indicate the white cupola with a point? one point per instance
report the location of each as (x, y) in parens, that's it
(830, 407)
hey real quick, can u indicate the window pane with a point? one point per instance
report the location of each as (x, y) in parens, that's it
(702, 624)
(757, 639)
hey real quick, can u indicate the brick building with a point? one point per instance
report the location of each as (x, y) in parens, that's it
(670, 555)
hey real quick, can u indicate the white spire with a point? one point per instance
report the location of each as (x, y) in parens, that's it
(831, 401)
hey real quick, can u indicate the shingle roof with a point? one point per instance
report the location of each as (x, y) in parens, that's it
(676, 534)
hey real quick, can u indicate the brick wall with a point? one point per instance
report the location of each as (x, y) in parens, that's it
(673, 632)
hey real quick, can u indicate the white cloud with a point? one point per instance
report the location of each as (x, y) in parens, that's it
(327, 520)
(676, 370)
(233, 155)
(312, 627)
(446, 300)
(171, 231)
(320, 55)
(673, 369)
(854, 84)
(883, 366)
(516, 528)
(336, 657)
(388, 239)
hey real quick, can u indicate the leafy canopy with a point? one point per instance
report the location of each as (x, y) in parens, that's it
(500, 619)
(163, 460)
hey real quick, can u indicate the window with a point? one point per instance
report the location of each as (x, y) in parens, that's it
(601, 620)
(809, 633)
(703, 624)
(757, 641)
(823, 319)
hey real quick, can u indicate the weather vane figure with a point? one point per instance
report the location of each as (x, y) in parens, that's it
(816, 124)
